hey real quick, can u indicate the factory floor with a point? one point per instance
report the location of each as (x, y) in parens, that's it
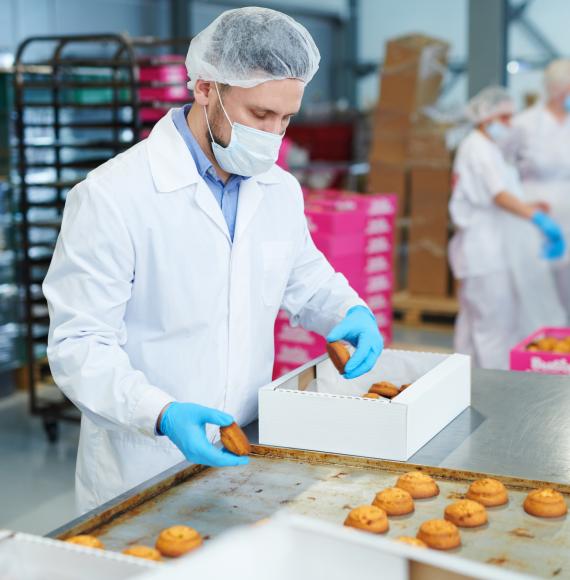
(37, 477)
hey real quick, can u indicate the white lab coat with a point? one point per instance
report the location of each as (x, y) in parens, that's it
(150, 302)
(539, 146)
(505, 292)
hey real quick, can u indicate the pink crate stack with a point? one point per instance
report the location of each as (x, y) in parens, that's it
(355, 232)
(163, 78)
(551, 363)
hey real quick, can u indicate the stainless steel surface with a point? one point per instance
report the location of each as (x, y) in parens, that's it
(518, 425)
(326, 487)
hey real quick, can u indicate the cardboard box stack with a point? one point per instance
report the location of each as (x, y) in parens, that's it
(355, 233)
(409, 156)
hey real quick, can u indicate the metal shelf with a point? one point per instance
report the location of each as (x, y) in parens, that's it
(84, 93)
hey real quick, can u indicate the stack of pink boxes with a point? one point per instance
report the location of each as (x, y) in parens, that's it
(356, 234)
(162, 86)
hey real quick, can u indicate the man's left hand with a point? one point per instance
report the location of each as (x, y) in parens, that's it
(360, 329)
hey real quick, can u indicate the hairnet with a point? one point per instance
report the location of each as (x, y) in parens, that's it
(248, 46)
(557, 76)
(490, 102)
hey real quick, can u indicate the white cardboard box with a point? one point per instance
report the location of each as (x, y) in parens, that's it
(296, 547)
(315, 408)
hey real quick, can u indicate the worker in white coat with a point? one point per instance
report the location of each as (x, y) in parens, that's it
(175, 257)
(500, 249)
(539, 144)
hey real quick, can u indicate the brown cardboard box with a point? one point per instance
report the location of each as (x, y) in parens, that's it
(428, 271)
(427, 143)
(413, 71)
(391, 149)
(385, 178)
(391, 132)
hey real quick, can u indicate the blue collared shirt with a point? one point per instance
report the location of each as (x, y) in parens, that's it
(226, 194)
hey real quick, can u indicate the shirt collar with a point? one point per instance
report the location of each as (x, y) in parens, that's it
(179, 119)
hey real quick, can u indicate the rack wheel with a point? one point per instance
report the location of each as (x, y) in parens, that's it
(51, 427)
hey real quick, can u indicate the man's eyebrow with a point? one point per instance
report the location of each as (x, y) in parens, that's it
(272, 112)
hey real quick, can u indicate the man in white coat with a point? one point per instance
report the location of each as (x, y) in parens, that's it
(175, 257)
(539, 143)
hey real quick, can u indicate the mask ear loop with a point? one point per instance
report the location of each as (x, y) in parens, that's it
(208, 123)
(222, 104)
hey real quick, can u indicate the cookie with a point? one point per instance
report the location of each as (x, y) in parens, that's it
(466, 513)
(178, 540)
(419, 485)
(411, 541)
(371, 396)
(488, 492)
(235, 440)
(394, 501)
(368, 518)
(405, 386)
(439, 534)
(339, 355)
(545, 503)
(385, 389)
(144, 552)
(87, 541)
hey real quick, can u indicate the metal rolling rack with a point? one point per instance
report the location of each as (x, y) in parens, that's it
(77, 104)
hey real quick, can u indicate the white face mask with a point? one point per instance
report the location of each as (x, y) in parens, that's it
(249, 152)
(498, 131)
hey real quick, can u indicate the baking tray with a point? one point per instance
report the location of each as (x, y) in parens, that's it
(325, 486)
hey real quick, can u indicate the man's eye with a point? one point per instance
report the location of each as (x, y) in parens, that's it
(260, 115)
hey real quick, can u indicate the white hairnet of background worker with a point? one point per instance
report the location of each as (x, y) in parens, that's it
(492, 226)
(539, 145)
(175, 258)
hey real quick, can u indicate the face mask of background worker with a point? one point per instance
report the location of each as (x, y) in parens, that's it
(497, 131)
(249, 152)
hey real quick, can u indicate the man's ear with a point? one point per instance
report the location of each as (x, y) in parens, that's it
(202, 92)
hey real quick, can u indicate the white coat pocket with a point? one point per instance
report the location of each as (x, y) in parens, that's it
(276, 265)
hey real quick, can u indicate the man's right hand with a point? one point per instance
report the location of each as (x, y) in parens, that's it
(185, 425)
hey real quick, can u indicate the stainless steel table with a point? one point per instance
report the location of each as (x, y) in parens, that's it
(518, 425)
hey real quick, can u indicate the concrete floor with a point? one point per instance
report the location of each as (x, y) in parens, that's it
(37, 478)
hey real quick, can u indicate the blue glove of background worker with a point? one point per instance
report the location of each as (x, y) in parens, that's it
(360, 329)
(185, 425)
(555, 244)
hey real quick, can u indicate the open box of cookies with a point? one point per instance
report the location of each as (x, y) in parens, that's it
(545, 351)
(316, 408)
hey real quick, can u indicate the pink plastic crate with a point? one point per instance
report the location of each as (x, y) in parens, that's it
(167, 73)
(151, 114)
(374, 284)
(378, 301)
(383, 244)
(324, 218)
(177, 93)
(373, 204)
(282, 369)
(284, 332)
(541, 362)
(339, 245)
(296, 354)
(384, 318)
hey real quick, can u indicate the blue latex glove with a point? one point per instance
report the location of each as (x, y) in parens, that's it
(555, 245)
(360, 329)
(185, 425)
